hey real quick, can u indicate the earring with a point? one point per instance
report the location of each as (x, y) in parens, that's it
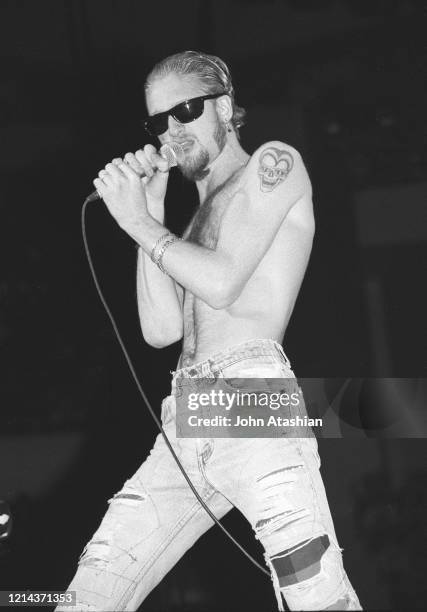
(229, 129)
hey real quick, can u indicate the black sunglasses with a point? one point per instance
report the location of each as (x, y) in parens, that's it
(185, 112)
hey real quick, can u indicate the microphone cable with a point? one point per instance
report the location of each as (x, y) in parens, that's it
(145, 398)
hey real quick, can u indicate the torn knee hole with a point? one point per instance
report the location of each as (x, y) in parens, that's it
(300, 562)
(96, 562)
(129, 496)
(275, 473)
(272, 519)
(95, 553)
(279, 521)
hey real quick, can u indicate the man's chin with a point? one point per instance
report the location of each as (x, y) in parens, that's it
(195, 169)
(193, 174)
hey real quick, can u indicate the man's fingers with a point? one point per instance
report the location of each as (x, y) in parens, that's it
(145, 162)
(127, 171)
(115, 171)
(131, 160)
(112, 170)
(160, 162)
(150, 160)
(105, 177)
(149, 149)
(155, 159)
(150, 156)
(99, 185)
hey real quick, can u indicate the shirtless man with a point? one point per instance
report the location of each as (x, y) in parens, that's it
(228, 290)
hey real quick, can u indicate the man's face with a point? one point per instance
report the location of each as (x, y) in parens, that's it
(202, 139)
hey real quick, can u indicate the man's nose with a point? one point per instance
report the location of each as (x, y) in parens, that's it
(175, 127)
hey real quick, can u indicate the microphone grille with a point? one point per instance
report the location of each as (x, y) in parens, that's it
(172, 151)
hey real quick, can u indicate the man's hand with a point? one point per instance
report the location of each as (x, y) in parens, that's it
(123, 193)
(130, 198)
(155, 168)
(156, 173)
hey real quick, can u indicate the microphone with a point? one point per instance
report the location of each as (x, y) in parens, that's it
(172, 152)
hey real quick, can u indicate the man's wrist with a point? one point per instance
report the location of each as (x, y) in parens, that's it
(157, 210)
(141, 226)
(147, 232)
(160, 247)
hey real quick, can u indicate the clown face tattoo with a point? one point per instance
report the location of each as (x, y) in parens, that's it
(274, 167)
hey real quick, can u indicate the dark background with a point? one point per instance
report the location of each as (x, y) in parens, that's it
(343, 82)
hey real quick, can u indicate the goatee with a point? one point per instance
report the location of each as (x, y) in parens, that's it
(195, 168)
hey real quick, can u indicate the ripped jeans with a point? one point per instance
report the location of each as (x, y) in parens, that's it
(275, 483)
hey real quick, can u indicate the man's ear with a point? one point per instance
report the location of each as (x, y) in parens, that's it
(224, 108)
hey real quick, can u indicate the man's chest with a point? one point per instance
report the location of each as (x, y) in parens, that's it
(205, 224)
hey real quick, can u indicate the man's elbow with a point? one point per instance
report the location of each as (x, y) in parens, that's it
(159, 342)
(224, 294)
(159, 336)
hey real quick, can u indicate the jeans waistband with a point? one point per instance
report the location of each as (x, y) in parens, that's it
(250, 348)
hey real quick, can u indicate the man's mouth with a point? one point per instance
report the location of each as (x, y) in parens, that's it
(186, 144)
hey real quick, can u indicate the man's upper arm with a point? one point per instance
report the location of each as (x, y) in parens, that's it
(274, 180)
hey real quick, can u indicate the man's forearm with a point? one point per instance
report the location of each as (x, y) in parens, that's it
(159, 306)
(198, 269)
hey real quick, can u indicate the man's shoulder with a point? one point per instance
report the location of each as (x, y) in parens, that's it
(271, 164)
(273, 155)
(274, 149)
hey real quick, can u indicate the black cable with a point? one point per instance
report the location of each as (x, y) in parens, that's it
(144, 397)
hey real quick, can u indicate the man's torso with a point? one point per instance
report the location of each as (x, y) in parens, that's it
(265, 305)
